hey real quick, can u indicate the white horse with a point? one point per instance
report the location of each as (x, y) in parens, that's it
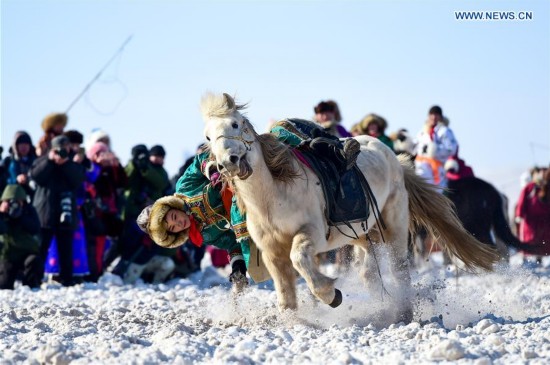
(285, 206)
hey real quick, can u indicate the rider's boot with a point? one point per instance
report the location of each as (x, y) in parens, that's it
(345, 154)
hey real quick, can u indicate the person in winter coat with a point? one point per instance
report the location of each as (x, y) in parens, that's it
(533, 213)
(104, 223)
(456, 168)
(147, 182)
(52, 125)
(328, 116)
(97, 135)
(81, 266)
(435, 144)
(22, 156)
(19, 240)
(375, 126)
(58, 178)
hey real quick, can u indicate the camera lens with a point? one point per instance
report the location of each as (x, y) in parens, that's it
(61, 152)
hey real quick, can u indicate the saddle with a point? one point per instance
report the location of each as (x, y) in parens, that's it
(345, 193)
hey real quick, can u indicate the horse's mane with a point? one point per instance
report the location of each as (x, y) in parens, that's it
(217, 106)
(278, 158)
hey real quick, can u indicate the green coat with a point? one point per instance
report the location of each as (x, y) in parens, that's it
(386, 140)
(19, 237)
(206, 206)
(144, 187)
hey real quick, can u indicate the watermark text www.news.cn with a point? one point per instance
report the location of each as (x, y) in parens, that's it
(494, 15)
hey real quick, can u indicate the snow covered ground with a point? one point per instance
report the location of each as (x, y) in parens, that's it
(500, 318)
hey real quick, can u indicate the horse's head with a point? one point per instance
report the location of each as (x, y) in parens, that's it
(229, 133)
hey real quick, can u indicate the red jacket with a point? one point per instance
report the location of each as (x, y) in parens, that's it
(534, 227)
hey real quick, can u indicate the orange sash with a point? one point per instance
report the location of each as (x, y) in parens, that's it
(436, 165)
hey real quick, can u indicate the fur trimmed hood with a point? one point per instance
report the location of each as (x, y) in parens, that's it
(151, 220)
(22, 137)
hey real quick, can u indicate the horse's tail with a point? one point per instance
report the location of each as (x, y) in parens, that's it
(432, 210)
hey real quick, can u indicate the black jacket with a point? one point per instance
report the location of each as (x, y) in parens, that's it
(53, 182)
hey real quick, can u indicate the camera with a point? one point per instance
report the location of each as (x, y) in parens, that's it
(142, 161)
(66, 217)
(61, 152)
(15, 209)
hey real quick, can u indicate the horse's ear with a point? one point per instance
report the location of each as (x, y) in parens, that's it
(229, 101)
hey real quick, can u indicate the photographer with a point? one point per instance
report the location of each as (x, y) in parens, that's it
(19, 242)
(57, 178)
(80, 255)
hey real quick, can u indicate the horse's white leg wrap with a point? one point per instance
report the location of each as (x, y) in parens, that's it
(302, 255)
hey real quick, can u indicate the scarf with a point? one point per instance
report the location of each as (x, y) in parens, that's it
(194, 233)
(432, 132)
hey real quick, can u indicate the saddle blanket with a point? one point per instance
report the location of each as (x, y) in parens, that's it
(344, 192)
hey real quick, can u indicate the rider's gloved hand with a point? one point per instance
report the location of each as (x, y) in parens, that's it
(238, 275)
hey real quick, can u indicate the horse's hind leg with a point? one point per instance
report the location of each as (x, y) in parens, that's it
(303, 258)
(369, 265)
(284, 278)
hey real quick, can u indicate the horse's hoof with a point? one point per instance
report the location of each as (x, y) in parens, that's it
(337, 299)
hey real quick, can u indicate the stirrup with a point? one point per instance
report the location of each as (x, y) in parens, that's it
(351, 150)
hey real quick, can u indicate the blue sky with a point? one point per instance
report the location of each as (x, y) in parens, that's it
(394, 58)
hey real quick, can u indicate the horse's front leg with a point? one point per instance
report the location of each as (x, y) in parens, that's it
(303, 254)
(281, 270)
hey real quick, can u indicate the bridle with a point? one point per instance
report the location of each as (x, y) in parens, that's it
(244, 129)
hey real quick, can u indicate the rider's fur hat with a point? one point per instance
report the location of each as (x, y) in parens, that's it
(51, 120)
(151, 221)
(373, 118)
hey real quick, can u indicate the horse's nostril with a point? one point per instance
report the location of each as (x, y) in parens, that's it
(220, 167)
(234, 158)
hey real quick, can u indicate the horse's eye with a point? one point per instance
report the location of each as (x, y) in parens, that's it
(235, 125)
(208, 139)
